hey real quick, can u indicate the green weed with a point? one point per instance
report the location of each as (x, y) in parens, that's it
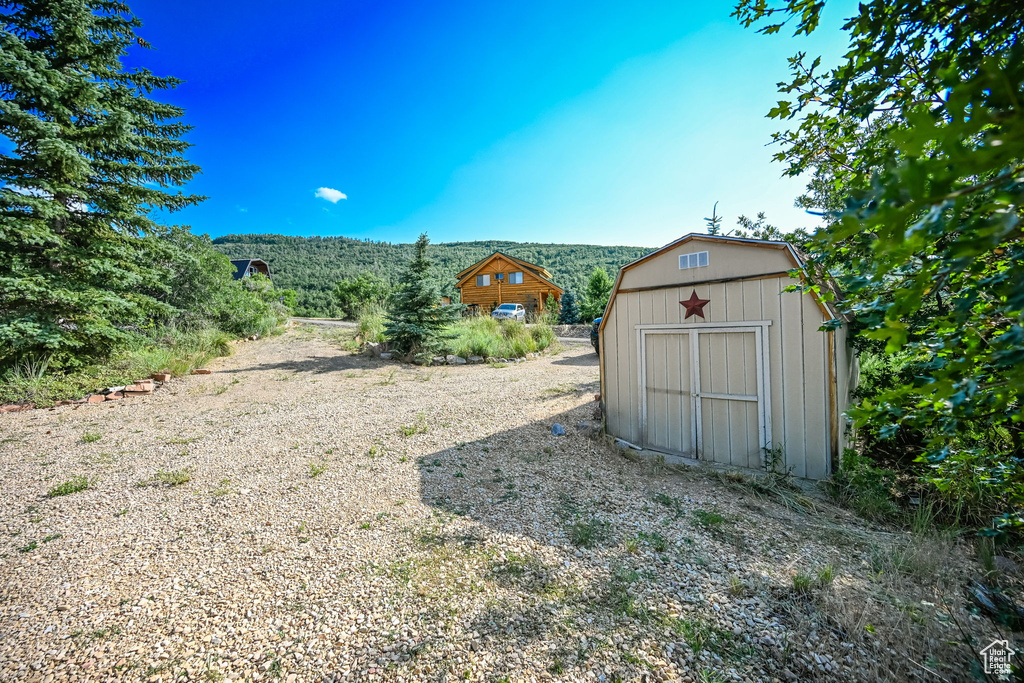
(72, 485)
(168, 478)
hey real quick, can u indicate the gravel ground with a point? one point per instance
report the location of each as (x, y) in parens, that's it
(353, 519)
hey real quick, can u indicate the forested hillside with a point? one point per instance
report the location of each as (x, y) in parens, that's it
(313, 265)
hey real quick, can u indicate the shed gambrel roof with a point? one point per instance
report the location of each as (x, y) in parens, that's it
(542, 273)
(827, 308)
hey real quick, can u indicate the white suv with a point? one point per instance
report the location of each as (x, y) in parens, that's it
(509, 312)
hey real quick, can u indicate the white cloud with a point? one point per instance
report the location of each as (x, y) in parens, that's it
(330, 194)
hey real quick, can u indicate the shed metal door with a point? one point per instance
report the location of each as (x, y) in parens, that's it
(703, 392)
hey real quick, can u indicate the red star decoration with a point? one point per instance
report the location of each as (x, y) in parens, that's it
(695, 305)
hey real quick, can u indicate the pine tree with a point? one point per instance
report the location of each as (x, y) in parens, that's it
(92, 154)
(715, 222)
(595, 298)
(570, 313)
(552, 309)
(417, 321)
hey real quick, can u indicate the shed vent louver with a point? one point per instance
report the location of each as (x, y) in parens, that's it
(697, 260)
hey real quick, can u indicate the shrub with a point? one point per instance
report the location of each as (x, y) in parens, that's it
(485, 336)
(356, 293)
(865, 488)
(171, 349)
(370, 323)
(251, 306)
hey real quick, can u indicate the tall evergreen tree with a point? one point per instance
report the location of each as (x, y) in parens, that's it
(92, 157)
(417, 320)
(570, 313)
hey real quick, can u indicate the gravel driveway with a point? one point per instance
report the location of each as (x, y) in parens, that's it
(353, 519)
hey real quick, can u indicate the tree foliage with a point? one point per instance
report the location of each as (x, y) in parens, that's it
(84, 267)
(417, 322)
(312, 265)
(595, 296)
(365, 289)
(92, 154)
(915, 146)
(714, 223)
(569, 314)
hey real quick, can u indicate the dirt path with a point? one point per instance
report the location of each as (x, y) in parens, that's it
(352, 519)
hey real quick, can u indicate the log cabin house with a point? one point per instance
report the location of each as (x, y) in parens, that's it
(503, 279)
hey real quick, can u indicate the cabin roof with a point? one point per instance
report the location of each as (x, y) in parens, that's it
(242, 265)
(537, 271)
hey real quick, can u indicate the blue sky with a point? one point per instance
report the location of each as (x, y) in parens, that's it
(594, 122)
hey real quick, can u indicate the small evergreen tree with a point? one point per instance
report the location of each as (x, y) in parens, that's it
(570, 313)
(715, 222)
(417, 322)
(595, 298)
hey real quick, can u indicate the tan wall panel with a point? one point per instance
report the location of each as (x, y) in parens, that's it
(751, 297)
(631, 320)
(611, 377)
(794, 424)
(816, 414)
(771, 309)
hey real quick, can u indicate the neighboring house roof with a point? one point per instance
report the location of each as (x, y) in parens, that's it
(242, 266)
(537, 271)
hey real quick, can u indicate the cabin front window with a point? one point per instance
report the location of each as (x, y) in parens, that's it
(515, 278)
(698, 260)
(483, 280)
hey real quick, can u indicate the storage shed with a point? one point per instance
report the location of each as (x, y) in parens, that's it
(704, 355)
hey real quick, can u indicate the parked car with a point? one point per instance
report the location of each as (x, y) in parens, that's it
(509, 312)
(593, 335)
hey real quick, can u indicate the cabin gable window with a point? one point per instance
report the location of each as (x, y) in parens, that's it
(697, 260)
(483, 280)
(515, 278)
